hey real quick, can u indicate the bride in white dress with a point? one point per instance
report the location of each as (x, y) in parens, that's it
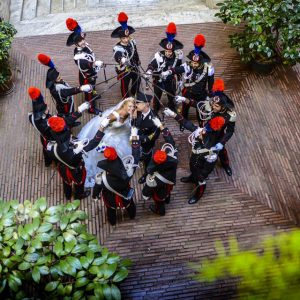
(116, 135)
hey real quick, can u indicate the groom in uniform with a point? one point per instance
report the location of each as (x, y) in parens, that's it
(147, 131)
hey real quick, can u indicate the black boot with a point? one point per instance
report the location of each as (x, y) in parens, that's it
(167, 199)
(228, 170)
(198, 193)
(158, 208)
(187, 179)
(142, 179)
(83, 195)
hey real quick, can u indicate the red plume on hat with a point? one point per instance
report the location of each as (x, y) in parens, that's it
(34, 93)
(217, 123)
(171, 31)
(218, 86)
(57, 124)
(199, 43)
(46, 60)
(110, 153)
(71, 24)
(122, 19)
(160, 157)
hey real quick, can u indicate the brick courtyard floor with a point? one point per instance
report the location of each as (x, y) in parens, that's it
(262, 197)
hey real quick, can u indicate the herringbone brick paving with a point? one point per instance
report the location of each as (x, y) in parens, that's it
(264, 153)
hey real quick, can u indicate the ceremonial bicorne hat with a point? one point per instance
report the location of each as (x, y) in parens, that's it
(143, 98)
(124, 30)
(219, 96)
(77, 35)
(38, 104)
(112, 163)
(52, 73)
(170, 43)
(197, 55)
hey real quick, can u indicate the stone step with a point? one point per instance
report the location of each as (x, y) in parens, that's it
(39, 17)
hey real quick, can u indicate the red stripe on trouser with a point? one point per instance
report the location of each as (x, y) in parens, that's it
(123, 87)
(67, 180)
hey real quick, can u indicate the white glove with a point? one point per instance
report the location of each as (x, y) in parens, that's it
(87, 88)
(169, 113)
(133, 133)
(104, 123)
(179, 99)
(219, 147)
(179, 54)
(197, 132)
(123, 60)
(165, 74)
(84, 106)
(148, 75)
(99, 64)
(157, 122)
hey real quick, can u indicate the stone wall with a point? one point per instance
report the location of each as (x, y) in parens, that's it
(212, 3)
(4, 9)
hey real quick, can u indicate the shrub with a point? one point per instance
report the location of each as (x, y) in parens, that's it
(7, 32)
(47, 252)
(270, 273)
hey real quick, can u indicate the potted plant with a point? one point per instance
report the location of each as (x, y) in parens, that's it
(270, 31)
(7, 32)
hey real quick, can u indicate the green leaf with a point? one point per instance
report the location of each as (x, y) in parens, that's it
(24, 266)
(41, 204)
(80, 274)
(94, 270)
(75, 262)
(112, 258)
(36, 276)
(108, 270)
(81, 282)
(70, 245)
(107, 292)
(90, 286)
(53, 210)
(6, 251)
(44, 237)
(68, 236)
(44, 270)
(45, 227)
(95, 247)
(64, 222)
(84, 262)
(80, 248)
(120, 275)
(37, 244)
(52, 219)
(126, 262)
(99, 261)
(19, 244)
(90, 256)
(42, 260)
(32, 257)
(2, 285)
(51, 286)
(78, 295)
(67, 268)
(14, 282)
(75, 204)
(99, 292)
(68, 289)
(115, 292)
(60, 290)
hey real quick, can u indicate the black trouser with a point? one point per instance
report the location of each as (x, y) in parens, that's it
(200, 168)
(70, 176)
(125, 82)
(65, 108)
(224, 159)
(186, 107)
(47, 158)
(168, 86)
(112, 201)
(146, 157)
(89, 96)
(158, 193)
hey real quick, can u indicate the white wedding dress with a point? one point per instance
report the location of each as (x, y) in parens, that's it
(116, 135)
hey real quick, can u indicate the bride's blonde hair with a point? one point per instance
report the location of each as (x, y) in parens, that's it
(125, 102)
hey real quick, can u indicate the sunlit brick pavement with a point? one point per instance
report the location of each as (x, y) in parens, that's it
(264, 153)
